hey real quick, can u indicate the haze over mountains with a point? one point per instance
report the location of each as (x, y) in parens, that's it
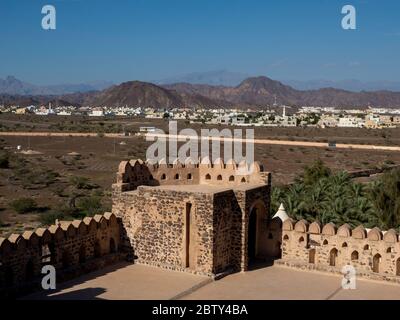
(251, 92)
(349, 84)
(213, 78)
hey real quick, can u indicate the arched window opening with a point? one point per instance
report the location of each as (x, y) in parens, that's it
(219, 177)
(208, 176)
(333, 257)
(231, 178)
(376, 261)
(354, 256)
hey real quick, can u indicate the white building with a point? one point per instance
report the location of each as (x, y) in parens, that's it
(350, 122)
(96, 113)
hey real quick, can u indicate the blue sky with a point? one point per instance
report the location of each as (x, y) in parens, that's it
(123, 40)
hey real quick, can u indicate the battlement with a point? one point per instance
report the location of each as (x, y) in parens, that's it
(344, 231)
(373, 253)
(133, 173)
(72, 247)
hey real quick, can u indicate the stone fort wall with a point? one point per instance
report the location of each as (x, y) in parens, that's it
(373, 253)
(72, 247)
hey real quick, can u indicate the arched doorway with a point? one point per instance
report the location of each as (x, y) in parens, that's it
(333, 257)
(376, 263)
(311, 256)
(252, 236)
(258, 246)
(398, 267)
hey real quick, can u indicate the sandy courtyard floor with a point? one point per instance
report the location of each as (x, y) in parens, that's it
(127, 281)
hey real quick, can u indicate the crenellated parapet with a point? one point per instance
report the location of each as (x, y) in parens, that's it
(373, 253)
(134, 173)
(72, 247)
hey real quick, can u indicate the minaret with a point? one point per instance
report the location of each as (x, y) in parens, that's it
(281, 213)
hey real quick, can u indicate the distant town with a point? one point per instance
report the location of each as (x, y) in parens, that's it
(271, 116)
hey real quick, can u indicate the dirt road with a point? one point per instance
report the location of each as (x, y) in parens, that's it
(185, 137)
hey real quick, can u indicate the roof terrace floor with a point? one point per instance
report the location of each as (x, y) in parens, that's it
(139, 282)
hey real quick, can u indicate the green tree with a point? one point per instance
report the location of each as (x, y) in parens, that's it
(385, 196)
(315, 172)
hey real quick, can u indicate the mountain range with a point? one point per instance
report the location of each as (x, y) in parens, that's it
(251, 92)
(13, 86)
(228, 78)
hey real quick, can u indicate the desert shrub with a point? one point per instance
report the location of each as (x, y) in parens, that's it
(389, 162)
(23, 205)
(89, 206)
(41, 177)
(49, 218)
(81, 182)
